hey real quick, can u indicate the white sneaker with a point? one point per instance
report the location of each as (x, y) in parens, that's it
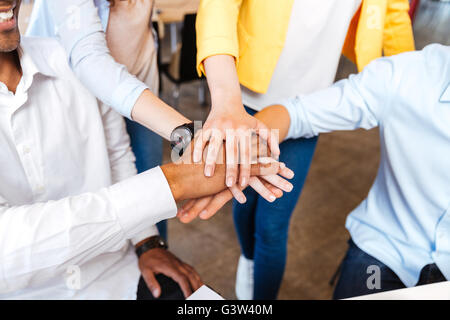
(244, 279)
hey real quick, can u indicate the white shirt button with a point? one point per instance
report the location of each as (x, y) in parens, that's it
(40, 189)
(26, 150)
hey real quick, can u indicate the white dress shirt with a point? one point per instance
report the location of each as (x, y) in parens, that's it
(311, 52)
(60, 211)
(405, 220)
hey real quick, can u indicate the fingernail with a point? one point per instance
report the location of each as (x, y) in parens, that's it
(196, 157)
(289, 187)
(208, 171)
(155, 293)
(272, 198)
(203, 214)
(243, 182)
(230, 182)
(282, 165)
(242, 200)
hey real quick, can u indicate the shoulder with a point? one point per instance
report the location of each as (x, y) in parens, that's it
(421, 67)
(436, 56)
(406, 67)
(432, 56)
(48, 55)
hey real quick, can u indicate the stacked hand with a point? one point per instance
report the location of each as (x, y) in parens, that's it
(269, 185)
(257, 169)
(187, 181)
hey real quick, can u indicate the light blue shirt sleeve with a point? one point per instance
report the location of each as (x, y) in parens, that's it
(405, 220)
(78, 27)
(356, 102)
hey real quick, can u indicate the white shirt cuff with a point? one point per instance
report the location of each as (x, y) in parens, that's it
(144, 234)
(142, 201)
(299, 127)
(127, 94)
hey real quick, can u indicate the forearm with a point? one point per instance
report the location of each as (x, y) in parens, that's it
(57, 229)
(153, 113)
(223, 83)
(276, 118)
(187, 180)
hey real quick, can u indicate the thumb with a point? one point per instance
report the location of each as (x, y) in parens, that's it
(152, 283)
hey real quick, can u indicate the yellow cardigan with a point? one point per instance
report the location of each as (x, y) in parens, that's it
(254, 32)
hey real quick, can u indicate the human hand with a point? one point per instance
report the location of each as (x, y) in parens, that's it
(187, 181)
(236, 128)
(244, 136)
(269, 187)
(159, 260)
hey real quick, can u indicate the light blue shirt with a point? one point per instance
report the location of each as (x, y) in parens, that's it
(405, 219)
(79, 25)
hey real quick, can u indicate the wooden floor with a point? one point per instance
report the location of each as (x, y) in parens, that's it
(342, 172)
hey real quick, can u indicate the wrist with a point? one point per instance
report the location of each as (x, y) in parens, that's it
(155, 242)
(275, 117)
(226, 102)
(173, 179)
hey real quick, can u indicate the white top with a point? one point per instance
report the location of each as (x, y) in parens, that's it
(60, 219)
(310, 57)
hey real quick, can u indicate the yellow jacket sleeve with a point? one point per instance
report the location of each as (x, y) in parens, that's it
(379, 27)
(398, 35)
(216, 28)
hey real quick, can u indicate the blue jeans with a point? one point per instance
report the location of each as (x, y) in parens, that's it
(353, 280)
(262, 227)
(147, 148)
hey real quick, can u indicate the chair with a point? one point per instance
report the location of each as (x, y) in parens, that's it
(183, 65)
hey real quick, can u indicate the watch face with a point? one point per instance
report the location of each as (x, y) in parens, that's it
(181, 135)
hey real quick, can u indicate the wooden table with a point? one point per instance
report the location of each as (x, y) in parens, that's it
(171, 11)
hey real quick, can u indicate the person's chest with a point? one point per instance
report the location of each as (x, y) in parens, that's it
(315, 26)
(416, 141)
(53, 144)
(313, 45)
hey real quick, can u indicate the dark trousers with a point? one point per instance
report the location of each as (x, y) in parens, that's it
(170, 290)
(262, 227)
(353, 280)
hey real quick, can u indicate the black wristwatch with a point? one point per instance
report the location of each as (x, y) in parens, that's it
(181, 137)
(151, 243)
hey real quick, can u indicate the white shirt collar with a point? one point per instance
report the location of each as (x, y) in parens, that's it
(29, 68)
(32, 66)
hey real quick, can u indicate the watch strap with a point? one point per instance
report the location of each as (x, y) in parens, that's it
(179, 145)
(151, 243)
